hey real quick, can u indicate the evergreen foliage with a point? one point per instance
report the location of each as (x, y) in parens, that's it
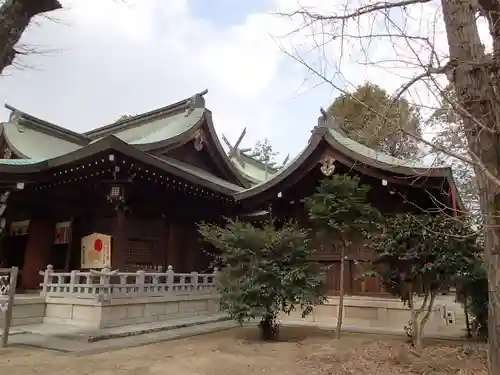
(264, 271)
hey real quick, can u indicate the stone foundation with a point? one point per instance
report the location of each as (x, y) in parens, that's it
(116, 313)
(27, 310)
(374, 312)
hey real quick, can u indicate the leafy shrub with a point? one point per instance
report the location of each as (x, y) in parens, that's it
(265, 270)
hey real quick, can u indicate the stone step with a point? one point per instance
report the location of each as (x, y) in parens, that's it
(68, 346)
(81, 334)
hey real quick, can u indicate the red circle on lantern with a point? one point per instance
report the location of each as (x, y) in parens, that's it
(98, 245)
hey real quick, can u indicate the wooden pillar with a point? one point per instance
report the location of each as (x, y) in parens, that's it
(172, 245)
(119, 240)
(163, 242)
(39, 245)
(191, 252)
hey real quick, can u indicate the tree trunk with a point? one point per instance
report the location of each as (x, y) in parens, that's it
(425, 319)
(474, 84)
(268, 328)
(15, 16)
(466, 313)
(413, 315)
(340, 313)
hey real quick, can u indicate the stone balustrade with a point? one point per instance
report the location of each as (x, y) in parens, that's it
(107, 285)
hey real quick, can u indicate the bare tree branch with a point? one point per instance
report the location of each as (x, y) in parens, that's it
(15, 16)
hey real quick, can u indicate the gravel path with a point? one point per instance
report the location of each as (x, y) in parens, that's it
(239, 351)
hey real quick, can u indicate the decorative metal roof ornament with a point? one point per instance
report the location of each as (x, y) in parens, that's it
(327, 165)
(14, 116)
(198, 140)
(196, 101)
(322, 120)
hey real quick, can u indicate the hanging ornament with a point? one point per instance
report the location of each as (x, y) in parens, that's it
(327, 166)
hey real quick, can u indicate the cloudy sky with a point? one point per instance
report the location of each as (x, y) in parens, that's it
(101, 59)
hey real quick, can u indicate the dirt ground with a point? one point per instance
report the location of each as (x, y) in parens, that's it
(239, 351)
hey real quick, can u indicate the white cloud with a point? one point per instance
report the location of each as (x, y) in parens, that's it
(117, 58)
(126, 57)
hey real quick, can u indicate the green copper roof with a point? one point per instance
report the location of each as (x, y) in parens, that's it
(19, 161)
(162, 128)
(38, 141)
(33, 138)
(382, 158)
(34, 144)
(255, 171)
(202, 174)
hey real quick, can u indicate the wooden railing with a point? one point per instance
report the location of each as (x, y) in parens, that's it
(105, 285)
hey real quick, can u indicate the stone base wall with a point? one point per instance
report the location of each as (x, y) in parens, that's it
(116, 313)
(369, 312)
(26, 311)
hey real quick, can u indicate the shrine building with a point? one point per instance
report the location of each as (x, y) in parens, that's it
(128, 195)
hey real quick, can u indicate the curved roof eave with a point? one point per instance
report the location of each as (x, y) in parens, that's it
(205, 119)
(30, 143)
(286, 171)
(220, 151)
(379, 160)
(358, 153)
(178, 139)
(12, 146)
(387, 163)
(52, 129)
(112, 143)
(133, 121)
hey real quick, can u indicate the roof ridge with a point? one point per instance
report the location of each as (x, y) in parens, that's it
(194, 101)
(35, 122)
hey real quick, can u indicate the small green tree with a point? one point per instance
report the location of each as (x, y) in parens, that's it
(422, 253)
(265, 271)
(263, 152)
(340, 209)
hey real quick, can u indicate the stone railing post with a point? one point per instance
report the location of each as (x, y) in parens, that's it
(105, 293)
(122, 287)
(140, 281)
(214, 279)
(104, 278)
(60, 283)
(194, 281)
(72, 281)
(170, 278)
(47, 279)
(88, 282)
